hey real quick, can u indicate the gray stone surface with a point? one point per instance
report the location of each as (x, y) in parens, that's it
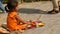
(32, 11)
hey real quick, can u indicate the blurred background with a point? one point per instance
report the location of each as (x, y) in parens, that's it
(21, 1)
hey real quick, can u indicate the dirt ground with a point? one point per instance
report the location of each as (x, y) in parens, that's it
(32, 11)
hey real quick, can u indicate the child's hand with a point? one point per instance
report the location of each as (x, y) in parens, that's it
(28, 22)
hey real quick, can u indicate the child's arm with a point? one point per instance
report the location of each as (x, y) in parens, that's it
(20, 19)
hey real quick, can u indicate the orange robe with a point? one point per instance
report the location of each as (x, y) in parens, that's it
(12, 22)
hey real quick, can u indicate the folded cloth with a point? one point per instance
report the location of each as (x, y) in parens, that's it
(2, 30)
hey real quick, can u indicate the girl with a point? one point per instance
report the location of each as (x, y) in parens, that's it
(13, 19)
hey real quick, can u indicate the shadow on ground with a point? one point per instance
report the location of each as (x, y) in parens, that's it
(31, 11)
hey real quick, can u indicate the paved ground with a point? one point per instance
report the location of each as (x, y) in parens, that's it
(32, 11)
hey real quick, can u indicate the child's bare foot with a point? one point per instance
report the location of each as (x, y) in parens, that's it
(21, 31)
